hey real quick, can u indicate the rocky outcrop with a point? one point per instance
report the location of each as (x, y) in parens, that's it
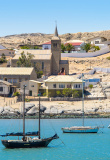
(13, 41)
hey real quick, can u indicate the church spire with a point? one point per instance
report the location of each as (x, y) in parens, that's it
(56, 32)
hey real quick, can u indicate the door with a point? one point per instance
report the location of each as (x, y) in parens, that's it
(30, 93)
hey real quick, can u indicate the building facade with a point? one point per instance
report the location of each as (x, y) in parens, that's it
(15, 75)
(32, 87)
(48, 61)
(60, 82)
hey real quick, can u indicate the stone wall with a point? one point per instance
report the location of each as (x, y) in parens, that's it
(38, 64)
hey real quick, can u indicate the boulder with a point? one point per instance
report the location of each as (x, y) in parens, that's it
(5, 112)
(32, 111)
(42, 108)
(28, 106)
(17, 111)
(8, 108)
(1, 109)
(12, 113)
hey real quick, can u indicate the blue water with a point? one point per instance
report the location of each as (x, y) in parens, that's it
(76, 146)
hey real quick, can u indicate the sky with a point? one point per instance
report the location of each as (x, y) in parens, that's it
(39, 16)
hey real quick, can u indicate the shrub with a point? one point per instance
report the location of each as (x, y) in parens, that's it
(44, 94)
(27, 100)
(75, 93)
(67, 92)
(58, 93)
(90, 86)
(108, 58)
(39, 74)
(16, 94)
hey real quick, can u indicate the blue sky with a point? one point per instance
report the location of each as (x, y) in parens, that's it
(72, 16)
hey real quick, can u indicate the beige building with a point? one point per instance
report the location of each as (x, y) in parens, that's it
(7, 52)
(59, 82)
(41, 59)
(15, 75)
(48, 61)
(32, 87)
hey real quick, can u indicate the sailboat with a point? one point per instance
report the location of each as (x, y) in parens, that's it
(83, 128)
(27, 141)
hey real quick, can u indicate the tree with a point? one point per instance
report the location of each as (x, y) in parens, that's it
(75, 93)
(96, 48)
(39, 73)
(25, 47)
(58, 93)
(16, 94)
(67, 92)
(25, 60)
(3, 58)
(63, 48)
(86, 47)
(69, 47)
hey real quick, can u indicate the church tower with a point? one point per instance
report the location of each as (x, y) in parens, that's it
(56, 52)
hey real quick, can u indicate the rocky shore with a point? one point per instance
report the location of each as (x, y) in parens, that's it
(58, 110)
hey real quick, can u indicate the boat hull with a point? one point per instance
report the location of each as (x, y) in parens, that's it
(80, 130)
(25, 144)
(28, 144)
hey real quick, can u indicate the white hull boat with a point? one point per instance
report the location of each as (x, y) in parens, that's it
(83, 128)
(80, 129)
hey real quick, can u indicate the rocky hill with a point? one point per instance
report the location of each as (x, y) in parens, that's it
(13, 41)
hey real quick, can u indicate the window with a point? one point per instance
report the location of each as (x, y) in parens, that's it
(9, 52)
(14, 80)
(42, 65)
(32, 85)
(54, 44)
(68, 85)
(46, 47)
(34, 63)
(96, 42)
(54, 85)
(12, 52)
(61, 85)
(77, 86)
(1, 88)
(10, 80)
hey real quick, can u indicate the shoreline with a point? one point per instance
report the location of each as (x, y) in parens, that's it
(58, 116)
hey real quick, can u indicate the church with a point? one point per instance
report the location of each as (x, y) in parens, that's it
(48, 61)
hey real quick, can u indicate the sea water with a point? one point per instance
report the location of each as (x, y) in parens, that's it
(69, 146)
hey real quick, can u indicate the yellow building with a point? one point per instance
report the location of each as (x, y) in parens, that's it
(59, 82)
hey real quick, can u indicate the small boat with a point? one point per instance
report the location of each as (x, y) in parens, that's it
(83, 128)
(27, 141)
(109, 126)
(80, 129)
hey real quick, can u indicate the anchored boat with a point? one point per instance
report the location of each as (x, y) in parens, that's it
(27, 141)
(83, 128)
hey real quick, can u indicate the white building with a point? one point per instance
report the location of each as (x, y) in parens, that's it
(46, 45)
(76, 43)
(97, 40)
(5, 88)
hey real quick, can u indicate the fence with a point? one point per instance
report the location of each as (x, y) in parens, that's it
(65, 99)
(8, 101)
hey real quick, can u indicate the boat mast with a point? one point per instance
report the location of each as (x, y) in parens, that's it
(82, 101)
(24, 113)
(39, 118)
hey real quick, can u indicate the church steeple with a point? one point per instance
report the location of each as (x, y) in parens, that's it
(56, 32)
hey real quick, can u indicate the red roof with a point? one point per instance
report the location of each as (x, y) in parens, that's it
(75, 43)
(47, 42)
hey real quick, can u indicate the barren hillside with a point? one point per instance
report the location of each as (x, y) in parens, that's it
(13, 41)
